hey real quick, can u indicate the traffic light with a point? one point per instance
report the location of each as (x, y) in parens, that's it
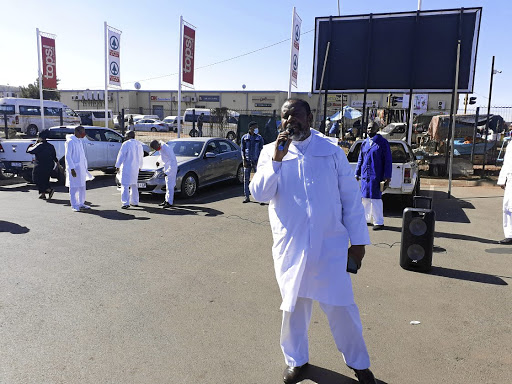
(472, 100)
(394, 102)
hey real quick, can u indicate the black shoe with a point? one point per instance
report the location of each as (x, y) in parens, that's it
(246, 200)
(378, 227)
(134, 205)
(262, 203)
(50, 193)
(369, 224)
(293, 374)
(166, 205)
(506, 240)
(42, 196)
(365, 376)
(125, 207)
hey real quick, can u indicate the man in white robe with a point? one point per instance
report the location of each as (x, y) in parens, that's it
(170, 164)
(129, 162)
(505, 181)
(315, 210)
(76, 169)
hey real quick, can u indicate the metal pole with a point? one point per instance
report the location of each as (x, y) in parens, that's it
(466, 104)
(487, 119)
(322, 80)
(106, 74)
(474, 135)
(339, 14)
(291, 59)
(452, 139)
(368, 53)
(179, 75)
(419, 5)
(39, 59)
(5, 124)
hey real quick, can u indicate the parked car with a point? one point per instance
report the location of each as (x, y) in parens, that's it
(405, 177)
(152, 125)
(172, 122)
(202, 161)
(140, 117)
(101, 148)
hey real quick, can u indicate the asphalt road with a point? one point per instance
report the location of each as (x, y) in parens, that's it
(188, 295)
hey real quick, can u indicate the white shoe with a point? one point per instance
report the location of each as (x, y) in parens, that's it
(85, 207)
(75, 209)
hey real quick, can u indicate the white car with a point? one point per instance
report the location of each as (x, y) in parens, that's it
(172, 123)
(152, 125)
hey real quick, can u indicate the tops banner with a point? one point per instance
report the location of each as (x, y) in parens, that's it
(48, 63)
(189, 39)
(294, 65)
(114, 68)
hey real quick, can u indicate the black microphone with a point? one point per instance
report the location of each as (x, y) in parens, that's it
(282, 143)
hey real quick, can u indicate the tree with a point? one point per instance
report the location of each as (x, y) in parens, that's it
(32, 92)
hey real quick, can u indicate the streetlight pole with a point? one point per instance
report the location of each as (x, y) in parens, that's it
(488, 113)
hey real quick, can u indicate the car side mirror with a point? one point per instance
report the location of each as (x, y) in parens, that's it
(209, 155)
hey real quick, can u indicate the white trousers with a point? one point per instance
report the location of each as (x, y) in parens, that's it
(170, 183)
(374, 211)
(346, 328)
(130, 194)
(507, 224)
(77, 196)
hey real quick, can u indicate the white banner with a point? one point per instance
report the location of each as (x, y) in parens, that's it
(419, 103)
(294, 62)
(114, 69)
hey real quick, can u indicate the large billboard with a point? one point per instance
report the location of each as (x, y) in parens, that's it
(395, 52)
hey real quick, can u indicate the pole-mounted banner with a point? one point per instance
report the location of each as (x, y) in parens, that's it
(189, 39)
(294, 57)
(114, 69)
(48, 63)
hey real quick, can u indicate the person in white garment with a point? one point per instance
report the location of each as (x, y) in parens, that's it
(128, 164)
(76, 169)
(317, 221)
(168, 160)
(505, 181)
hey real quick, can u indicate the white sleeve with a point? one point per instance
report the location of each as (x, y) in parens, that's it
(263, 185)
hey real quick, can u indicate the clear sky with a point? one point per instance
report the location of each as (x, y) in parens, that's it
(225, 29)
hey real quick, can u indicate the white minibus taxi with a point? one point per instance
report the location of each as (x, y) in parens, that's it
(26, 116)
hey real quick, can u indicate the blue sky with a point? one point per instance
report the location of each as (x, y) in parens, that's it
(225, 29)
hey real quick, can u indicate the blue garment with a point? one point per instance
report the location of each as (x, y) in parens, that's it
(247, 176)
(335, 129)
(251, 146)
(373, 166)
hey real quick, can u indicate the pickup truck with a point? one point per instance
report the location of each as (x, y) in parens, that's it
(405, 178)
(101, 148)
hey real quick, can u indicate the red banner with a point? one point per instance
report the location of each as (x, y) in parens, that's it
(48, 63)
(189, 39)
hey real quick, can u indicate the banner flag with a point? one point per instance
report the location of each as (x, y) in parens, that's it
(114, 69)
(294, 64)
(189, 39)
(48, 63)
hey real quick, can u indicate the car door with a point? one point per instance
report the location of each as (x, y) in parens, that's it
(230, 158)
(113, 142)
(95, 148)
(141, 125)
(212, 166)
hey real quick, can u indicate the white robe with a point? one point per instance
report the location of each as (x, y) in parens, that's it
(129, 161)
(168, 159)
(505, 178)
(315, 210)
(75, 159)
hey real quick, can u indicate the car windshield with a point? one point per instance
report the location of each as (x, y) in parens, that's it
(184, 148)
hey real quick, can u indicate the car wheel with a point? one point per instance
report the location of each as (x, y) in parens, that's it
(189, 185)
(231, 136)
(32, 130)
(27, 175)
(240, 174)
(153, 129)
(4, 175)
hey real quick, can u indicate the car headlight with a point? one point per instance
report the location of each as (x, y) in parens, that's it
(160, 175)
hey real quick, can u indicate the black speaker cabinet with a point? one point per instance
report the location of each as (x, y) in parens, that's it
(418, 226)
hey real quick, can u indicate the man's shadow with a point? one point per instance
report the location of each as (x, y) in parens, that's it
(111, 214)
(13, 228)
(184, 210)
(321, 375)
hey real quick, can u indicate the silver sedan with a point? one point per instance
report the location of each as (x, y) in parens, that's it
(202, 161)
(152, 125)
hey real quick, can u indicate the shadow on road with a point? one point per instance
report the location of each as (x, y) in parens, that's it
(503, 250)
(467, 275)
(447, 235)
(112, 214)
(13, 228)
(184, 210)
(321, 375)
